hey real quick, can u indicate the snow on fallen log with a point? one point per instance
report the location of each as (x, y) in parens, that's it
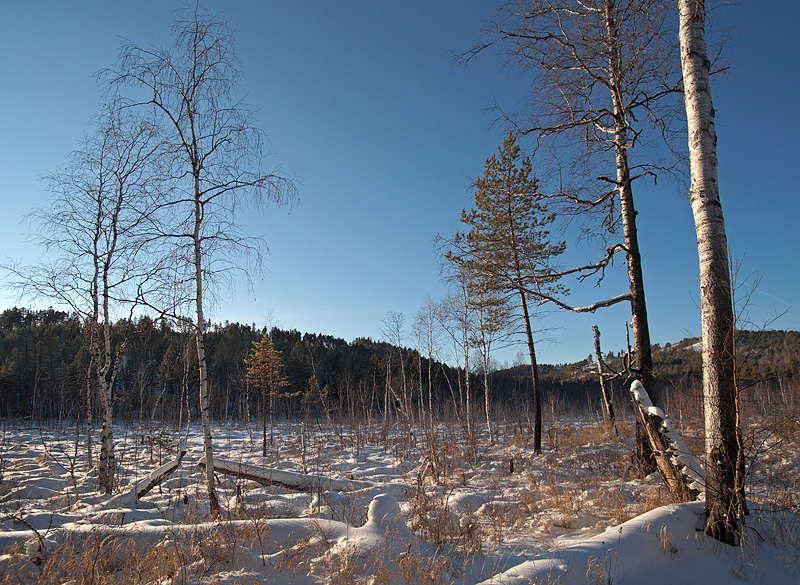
(682, 473)
(286, 479)
(143, 486)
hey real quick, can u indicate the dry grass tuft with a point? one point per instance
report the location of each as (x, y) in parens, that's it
(431, 518)
(109, 560)
(180, 555)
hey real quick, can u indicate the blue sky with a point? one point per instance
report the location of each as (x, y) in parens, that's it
(362, 105)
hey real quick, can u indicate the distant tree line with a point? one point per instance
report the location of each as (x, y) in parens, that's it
(44, 373)
(44, 370)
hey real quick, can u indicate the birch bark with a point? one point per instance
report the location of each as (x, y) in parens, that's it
(724, 507)
(205, 416)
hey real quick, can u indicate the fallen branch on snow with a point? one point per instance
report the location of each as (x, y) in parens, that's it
(286, 479)
(143, 486)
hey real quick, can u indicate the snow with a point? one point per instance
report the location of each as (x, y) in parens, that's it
(664, 546)
(695, 347)
(371, 512)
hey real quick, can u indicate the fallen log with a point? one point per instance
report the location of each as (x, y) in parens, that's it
(156, 477)
(287, 479)
(144, 485)
(682, 473)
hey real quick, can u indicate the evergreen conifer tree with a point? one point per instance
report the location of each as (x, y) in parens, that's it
(507, 250)
(265, 373)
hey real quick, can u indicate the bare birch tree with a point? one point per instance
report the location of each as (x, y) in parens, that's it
(493, 320)
(428, 333)
(394, 331)
(216, 163)
(725, 507)
(96, 248)
(457, 317)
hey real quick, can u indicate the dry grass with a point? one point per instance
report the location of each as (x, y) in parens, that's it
(772, 478)
(98, 559)
(430, 517)
(589, 483)
(383, 566)
(101, 561)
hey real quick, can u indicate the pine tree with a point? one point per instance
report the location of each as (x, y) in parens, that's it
(315, 396)
(507, 250)
(265, 373)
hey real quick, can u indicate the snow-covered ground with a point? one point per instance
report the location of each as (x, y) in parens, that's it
(376, 508)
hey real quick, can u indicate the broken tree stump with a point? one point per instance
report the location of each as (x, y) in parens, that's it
(608, 407)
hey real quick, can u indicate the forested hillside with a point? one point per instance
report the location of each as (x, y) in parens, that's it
(767, 362)
(44, 365)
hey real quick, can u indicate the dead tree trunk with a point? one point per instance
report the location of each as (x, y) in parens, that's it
(160, 474)
(286, 479)
(682, 474)
(537, 394)
(608, 407)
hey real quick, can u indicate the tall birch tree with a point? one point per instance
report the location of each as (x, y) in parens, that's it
(457, 317)
(216, 166)
(493, 320)
(725, 507)
(428, 334)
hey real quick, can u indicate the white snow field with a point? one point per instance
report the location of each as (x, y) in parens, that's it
(363, 506)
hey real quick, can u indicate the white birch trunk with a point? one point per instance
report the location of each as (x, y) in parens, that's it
(205, 417)
(467, 391)
(723, 505)
(430, 385)
(104, 361)
(105, 379)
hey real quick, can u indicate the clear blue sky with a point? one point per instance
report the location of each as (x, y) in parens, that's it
(362, 105)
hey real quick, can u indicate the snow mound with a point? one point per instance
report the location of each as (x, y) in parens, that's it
(383, 540)
(383, 517)
(664, 546)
